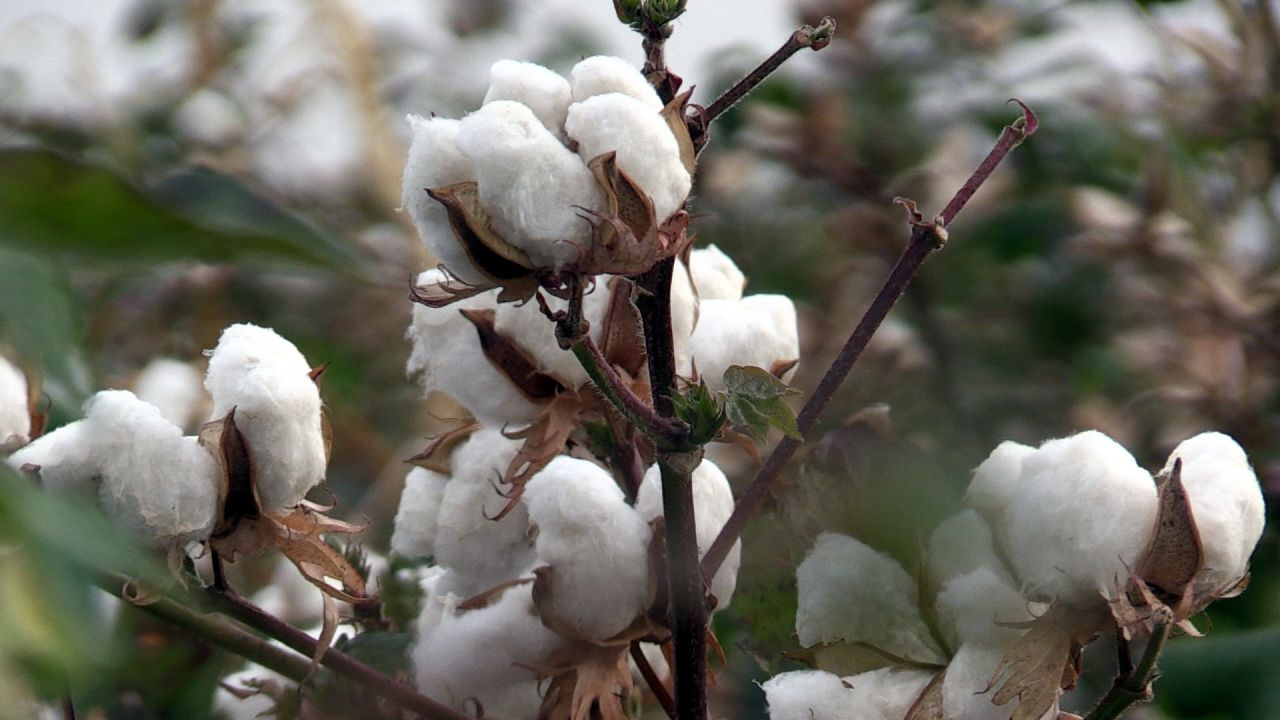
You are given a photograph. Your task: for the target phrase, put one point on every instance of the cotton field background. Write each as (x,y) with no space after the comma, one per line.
(211,204)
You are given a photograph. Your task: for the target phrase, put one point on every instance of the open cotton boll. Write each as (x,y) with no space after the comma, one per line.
(995,481)
(490,656)
(646,150)
(164,487)
(525,325)
(533,187)
(602,74)
(1226,503)
(448,358)
(715,274)
(884,694)
(973,609)
(1080,516)
(484,552)
(435,161)
(848,592)
(66,458)
(267,381)
(959,545)
(15,420)
(759,330)
(415,532)
(712,506)
(595,544)
(543,91)
(174,387)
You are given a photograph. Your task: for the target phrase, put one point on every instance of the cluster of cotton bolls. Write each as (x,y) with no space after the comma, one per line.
(167,487)
(1052,531)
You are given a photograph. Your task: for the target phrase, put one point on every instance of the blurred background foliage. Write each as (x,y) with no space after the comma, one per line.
(168,168)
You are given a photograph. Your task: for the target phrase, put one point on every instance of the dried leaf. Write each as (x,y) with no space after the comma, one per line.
(483,599)
(238,493)
(929,705)
(436,456)
(1044,661)
(544,439)
(510,359)
(623,332)
(592,686)
(328,628)
(674,114)
(626,239)
(625,199)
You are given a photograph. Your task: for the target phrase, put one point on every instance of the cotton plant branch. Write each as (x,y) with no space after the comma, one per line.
(1134,684)
(925,238)
(651,678)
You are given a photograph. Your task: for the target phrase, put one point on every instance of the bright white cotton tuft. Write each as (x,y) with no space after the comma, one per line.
(15,420)
(884,694)
(526,326)
(415,531)
(543,91)
(435,162)
(715,274)
(267,381)
(759,330)
(602,74)
(996,479)
(972,609)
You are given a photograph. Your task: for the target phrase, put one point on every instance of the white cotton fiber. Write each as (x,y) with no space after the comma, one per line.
(712,506)
(848,592)
(415,531)
(972,608)
(759,331)
(15,420)
(1080,516)
(448,357)
(965,695)
(65,457)
(995,481)
(1226,503)
(961,544)
(646,150)
(482,551)
(266,380)
(884,694)
(435,162)
(526,326)
(596,547)
(715,274)
(602,74)
(543,91)
(174,387)
(489,657)
(532,186)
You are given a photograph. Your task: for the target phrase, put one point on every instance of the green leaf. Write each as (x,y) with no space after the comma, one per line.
(88,212)
(753,401)
(698,408)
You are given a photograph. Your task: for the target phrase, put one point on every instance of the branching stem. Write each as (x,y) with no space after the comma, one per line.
(1135,685)
(662,430)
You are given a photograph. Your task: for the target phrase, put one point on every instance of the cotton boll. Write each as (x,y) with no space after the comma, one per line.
(851,593)
(759,330)
(488,656)
(484,552)
(1226,503)
(526,326)
(174,387)
(595,544)
(543,91)
(965,693)
(65,457)
(961,544)
(1081,514)
(434,162)
(15,420)
(533,187)
(971,609)
(884,694)
(415,532)
(164,488)
(447,355)
(267,381)
(995,481)
(712,506)
(603,74)
(715,274)
(646,150)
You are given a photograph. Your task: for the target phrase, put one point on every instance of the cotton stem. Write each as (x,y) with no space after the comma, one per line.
(1133,686)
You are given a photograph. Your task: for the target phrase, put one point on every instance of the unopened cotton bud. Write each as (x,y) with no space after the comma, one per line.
(532,186)
(1078,518)
(646,150)
(715,275)
(448,358)
(848,592)
(759,331)
(174,387)
(1226,503)
(483,551)
(595,545)
(415,531)
(712,506)
(884,694)
(15,420)
(543,91)
(434,162)
(264,378)
(602,74)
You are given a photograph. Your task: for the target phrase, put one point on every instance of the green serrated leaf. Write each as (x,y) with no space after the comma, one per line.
(697,407)
(753,400)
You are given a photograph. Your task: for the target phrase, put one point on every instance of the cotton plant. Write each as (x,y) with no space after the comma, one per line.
(1062,543)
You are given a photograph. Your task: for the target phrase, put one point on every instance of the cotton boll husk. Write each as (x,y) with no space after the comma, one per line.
(712,506)
(969,607)
(490,655)
(715,274)
(995,481)
(602,74)
(415,532)
(1226,503)
(959,545)
(533,187)
(65,456)
(595,544)
(1081,514)
(849,592)
(964,688)
(543,91)
(759,331)
(174,387)
(435,161)
(482,551)
(15,420)
(227,704)
(526,326)
(448,357)
(646,150)
(884,694)
(266,380)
